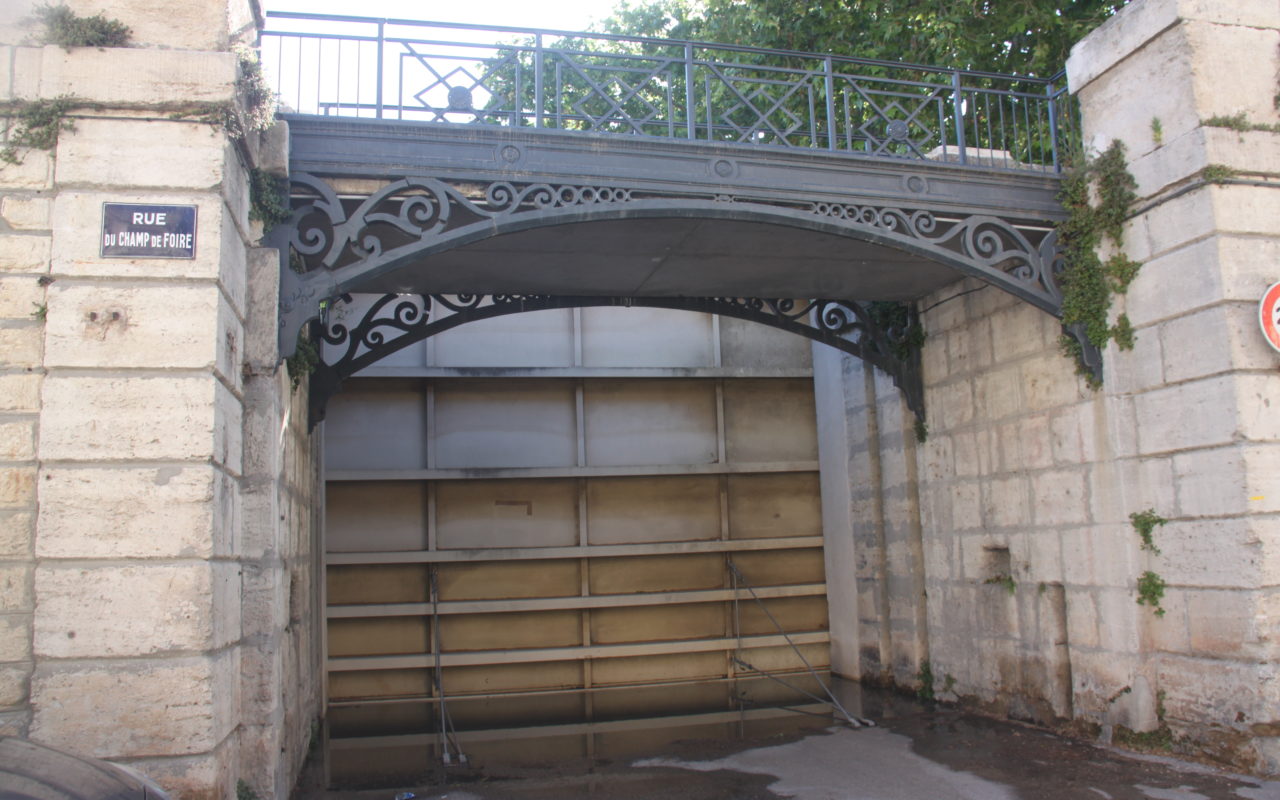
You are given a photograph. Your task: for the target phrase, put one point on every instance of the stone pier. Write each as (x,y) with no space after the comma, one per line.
(156,476)
(1025,485)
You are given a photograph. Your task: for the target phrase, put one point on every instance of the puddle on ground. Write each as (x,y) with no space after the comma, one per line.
(916,752)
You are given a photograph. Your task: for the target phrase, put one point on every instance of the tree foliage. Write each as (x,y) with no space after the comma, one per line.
(1027,37)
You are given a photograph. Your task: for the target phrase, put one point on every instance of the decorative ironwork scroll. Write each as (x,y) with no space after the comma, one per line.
(358,331)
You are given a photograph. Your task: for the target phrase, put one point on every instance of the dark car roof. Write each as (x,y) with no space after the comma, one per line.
(30,771)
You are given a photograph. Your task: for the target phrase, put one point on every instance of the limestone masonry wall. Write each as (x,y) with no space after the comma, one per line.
(1025,485)
(157,569)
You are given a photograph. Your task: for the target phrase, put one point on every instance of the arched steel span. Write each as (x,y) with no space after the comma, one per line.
(492,211)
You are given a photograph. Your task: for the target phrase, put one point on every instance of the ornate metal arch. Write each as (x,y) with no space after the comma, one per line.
(334,246)
(343,245)
(349,342)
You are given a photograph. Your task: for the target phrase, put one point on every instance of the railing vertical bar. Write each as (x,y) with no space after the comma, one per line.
(829,84)
(706,96)
(940,108)
(337,81)
(559,109)
(691,109)
(813,117)
(671,111)
(1051,98)
(992,144)
(538,108)
(1027,114)
(958,101)
(382,35)
(515,117)
(280,66)
(1003,133)
(299,73)
(400,87)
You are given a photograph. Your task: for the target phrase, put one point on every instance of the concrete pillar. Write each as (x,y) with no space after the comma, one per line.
(139,604)
(1191,424)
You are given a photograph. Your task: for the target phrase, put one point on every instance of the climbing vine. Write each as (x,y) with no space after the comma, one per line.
(906,335)
(1088,282)
(36,126)
(256,96)
(1218,173)
(1150,585)
(1240,123)
(303,362)
(921,430)
(268,198)
(256,109)
(1145,523)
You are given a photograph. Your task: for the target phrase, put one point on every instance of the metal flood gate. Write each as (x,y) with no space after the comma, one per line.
(590,492)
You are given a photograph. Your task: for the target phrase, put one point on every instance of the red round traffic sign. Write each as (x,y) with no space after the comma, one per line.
(1269,315)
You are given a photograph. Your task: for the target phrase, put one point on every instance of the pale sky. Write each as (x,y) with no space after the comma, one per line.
(573,15)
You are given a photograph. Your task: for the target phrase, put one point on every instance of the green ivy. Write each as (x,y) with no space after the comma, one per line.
(1151,591)
(37,125)
(256,109)
(1241,123)
(1116,191)
(1007,581)
(921,431)
(303,362)
(1160,739)
(925,676)
(1121,270)
(1122,332)
(894,319)
(1145,523)
(268,198)
(1218,173)
(64,27)
(254,90)
(1088,283)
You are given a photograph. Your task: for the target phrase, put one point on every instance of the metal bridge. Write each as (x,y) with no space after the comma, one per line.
(465,172)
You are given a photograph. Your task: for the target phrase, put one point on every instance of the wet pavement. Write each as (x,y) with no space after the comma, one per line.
(916,752)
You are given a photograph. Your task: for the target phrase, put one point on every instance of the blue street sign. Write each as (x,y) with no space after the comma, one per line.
(133,230)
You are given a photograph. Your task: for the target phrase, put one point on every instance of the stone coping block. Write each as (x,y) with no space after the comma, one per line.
(1138,23)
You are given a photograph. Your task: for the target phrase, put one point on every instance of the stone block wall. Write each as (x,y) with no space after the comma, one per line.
(156,474)
(1025,485)
(1200,384)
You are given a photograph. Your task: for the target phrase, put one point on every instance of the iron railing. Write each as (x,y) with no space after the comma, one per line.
(601,83)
